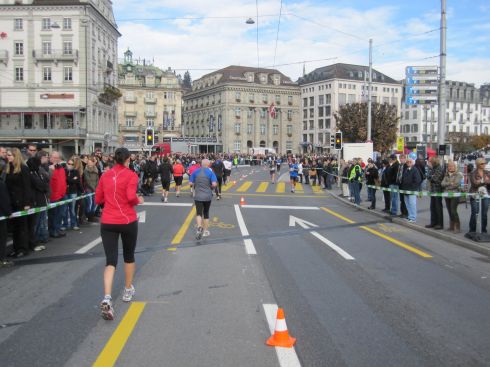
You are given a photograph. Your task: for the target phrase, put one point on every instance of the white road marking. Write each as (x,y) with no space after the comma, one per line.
(303,223)
(306,225)
(166,204)
(88,247)
(249,245)
(281,207)
(287,356)
(142,217)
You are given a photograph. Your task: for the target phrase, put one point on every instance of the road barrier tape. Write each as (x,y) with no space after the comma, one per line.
(23,213)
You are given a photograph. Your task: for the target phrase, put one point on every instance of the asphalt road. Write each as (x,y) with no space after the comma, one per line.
(356,291)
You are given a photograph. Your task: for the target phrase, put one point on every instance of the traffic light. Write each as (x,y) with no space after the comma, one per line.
(332,141)
(338,140)
(149,137)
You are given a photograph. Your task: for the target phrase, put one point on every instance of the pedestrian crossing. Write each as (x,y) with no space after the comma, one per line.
(259,187)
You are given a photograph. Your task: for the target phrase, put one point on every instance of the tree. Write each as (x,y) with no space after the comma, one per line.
(352,121)
(187,82)
(480,141)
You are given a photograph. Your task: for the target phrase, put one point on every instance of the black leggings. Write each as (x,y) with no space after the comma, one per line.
(218,187)
(110,238)
(202,208)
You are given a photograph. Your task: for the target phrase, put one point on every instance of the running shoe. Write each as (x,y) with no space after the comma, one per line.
(199,233)
(206,234)
(107,311)
(165,200)
(128,294)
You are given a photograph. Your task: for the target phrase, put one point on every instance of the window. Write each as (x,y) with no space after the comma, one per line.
(320,100)
(351,98)
(311,138)
(264,98)
(263,113)
(305,102)
(342,99)
(237,145)
(68,74)
(250,78)
(249,129)
(290,115)
(150,122)
(407,115)
(46,24)
(47,48)
(67,48)
(237,127)
(312,101)
(66,24)
(289,129)
(414,114)
(249,113)
(19,48)
(263,78)
(305,125)
(394,101)
(320,138)
(262,129)
(238,96)
(290,100)
(275,129)
(47,76)
(278,99)
(251,97)
(328,110)
(305,138)
(328,98)
(415,128)
(320,124)
(305,114)
(237,112)
(312,124)
(327,123)
(19,74)
(129,122)
(386,100)
(320,111)
(18,24)
(312,112)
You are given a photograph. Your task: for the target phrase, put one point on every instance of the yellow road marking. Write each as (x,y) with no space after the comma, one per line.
(228,194)
(186,187)
(245,186)
(227,186)
(379,234)
(316,189)
(116,343)
(281,187)
(299,187)
(263,187)
(185,226)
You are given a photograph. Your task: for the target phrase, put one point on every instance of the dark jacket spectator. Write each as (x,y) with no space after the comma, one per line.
(435,177)
(39,182)
(411,179)
(74,182)
(90,177)
(5,207)
(371,175)
(391,172)
(19,186)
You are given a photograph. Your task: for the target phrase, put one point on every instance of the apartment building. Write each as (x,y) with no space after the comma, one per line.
(58,79)
(325,89)
(152,98)
(242,108)
(465,113)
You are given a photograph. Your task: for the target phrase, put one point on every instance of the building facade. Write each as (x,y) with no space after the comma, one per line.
(466,114)
(325,89)
(244,109)
(58,80)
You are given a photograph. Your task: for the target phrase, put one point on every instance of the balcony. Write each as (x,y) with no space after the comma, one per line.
(150,114)
(129,99)
(55,56)
(130,113)
(4,56)
(151,100)
(44,133)
(130,128)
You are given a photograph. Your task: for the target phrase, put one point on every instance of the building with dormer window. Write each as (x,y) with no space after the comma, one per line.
(152,98)
(58,83)
(242,108)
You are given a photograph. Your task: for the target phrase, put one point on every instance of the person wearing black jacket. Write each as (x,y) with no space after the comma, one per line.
(372,176)
(391,174)
(18,182)
(74,188)
(385,183)
(411,181)
(218,168)
(5,211)
(38,222)
(165,170)
(399,180)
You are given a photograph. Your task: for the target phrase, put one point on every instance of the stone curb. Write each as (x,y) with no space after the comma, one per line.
(480,248)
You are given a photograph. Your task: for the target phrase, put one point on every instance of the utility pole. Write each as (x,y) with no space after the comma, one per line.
(441,127)
(369,88)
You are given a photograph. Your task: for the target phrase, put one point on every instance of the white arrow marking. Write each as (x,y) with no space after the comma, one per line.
(301,222)
(142,216)
(306,225)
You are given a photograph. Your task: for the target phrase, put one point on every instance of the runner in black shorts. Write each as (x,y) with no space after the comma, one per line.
(165,170)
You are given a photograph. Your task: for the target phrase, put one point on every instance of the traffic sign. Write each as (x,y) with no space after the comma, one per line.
(421,85)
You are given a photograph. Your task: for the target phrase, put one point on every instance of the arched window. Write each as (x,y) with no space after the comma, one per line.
(262,144)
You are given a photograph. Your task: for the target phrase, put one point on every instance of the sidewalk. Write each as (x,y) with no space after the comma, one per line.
(423,218)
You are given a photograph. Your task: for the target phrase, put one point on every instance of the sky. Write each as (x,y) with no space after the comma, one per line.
(206,35)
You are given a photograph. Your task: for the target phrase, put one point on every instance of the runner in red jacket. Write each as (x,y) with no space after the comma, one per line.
(117,192)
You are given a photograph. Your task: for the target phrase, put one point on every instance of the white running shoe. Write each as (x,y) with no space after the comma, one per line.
(128,294)
(107,311)
(206,233)
(199,233)
(165,200)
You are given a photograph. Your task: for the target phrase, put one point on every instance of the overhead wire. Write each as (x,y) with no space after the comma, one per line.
(277,35)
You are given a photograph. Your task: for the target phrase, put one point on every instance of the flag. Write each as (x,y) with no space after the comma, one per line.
(211,123)
(272,110)
(219,123)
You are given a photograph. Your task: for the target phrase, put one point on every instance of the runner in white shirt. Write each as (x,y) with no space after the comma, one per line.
(227,173)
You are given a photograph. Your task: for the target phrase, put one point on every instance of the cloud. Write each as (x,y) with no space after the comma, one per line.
(309,30)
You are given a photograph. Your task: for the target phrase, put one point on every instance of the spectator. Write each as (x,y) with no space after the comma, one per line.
(399,181)
(19,186)
(411,181)
(435,177)
(58,191)
(5,211)
(79,165)
(391,175)
(31,150)
(3,163)
(355,177)
(479,182)
(372,177)
(385,183)
(74,188)
(452,183)
(90,182)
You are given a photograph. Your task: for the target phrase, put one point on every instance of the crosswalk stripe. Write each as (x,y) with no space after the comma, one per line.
(227,186)
(281,187)
(316,189)
(245,186)
(262,187)
(299,187)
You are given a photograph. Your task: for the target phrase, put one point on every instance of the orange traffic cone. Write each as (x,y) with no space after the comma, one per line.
(281,336)
(242,200)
